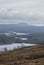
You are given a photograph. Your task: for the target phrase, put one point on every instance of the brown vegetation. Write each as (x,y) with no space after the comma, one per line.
(23,56)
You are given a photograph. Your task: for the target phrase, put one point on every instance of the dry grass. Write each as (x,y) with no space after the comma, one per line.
(24,56)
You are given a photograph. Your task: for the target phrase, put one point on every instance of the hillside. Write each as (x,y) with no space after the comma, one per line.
(24,56)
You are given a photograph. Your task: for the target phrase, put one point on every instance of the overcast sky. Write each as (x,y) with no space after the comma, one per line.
(19,11)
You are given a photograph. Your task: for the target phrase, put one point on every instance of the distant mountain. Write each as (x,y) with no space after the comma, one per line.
(22,27)
(23,24)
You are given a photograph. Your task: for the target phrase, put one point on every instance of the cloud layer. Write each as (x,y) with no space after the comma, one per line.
(17,11)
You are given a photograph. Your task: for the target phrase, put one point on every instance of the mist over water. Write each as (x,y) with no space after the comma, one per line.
(14,46)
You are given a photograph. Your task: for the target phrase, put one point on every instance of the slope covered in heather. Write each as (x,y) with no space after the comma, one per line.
(24,56)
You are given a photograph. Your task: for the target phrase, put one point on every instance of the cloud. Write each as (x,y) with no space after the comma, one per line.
(21,3)
(12,16)
(16,11)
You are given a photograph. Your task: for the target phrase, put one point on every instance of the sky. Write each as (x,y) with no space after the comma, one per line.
(22,11)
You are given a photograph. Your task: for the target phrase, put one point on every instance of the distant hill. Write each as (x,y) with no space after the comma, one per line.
(22,27)
(23,24)
(9,33)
